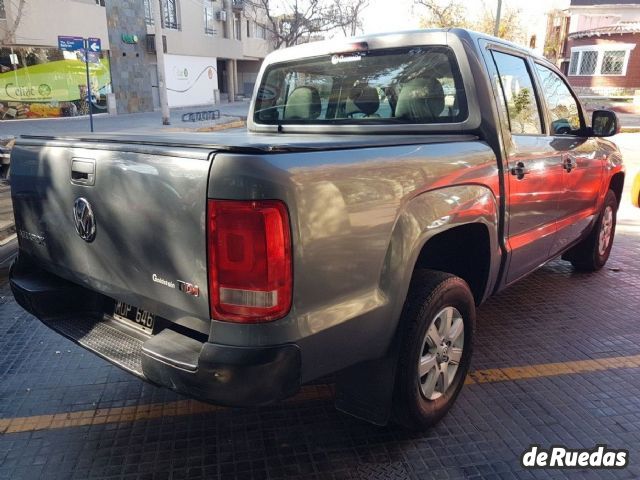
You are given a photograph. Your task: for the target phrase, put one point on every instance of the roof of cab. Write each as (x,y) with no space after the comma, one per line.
(384,40)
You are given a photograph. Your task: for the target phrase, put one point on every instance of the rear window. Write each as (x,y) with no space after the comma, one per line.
(417,85)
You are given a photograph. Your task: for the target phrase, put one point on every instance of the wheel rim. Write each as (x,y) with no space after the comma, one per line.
(441,353)
(606,230)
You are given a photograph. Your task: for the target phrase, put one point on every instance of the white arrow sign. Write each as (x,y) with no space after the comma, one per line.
(95,47)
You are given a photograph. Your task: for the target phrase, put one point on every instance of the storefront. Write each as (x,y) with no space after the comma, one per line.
(46,82)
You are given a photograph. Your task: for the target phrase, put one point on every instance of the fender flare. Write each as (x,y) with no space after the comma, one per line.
(365,390)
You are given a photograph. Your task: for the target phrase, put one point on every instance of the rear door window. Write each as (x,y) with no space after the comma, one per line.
(519,96)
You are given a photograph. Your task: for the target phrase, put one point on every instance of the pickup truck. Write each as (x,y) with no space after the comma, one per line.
(384,188)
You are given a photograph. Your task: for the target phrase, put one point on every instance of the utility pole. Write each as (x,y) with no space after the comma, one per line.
(496,28)
(162,85)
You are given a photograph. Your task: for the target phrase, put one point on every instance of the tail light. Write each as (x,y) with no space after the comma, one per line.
(249,248)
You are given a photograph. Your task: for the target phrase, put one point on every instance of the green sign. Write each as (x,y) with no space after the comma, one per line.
(132,39)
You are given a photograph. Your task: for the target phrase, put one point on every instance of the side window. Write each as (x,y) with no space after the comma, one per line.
(517,87)
(562,105)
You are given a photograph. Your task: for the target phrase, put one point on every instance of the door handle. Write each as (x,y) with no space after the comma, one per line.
(83,171)
(568,163)
(519,171)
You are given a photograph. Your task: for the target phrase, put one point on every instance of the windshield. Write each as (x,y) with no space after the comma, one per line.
(416,85)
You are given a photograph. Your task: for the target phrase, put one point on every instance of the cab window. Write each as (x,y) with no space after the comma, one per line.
(413,85)
(517,88)
(563,108)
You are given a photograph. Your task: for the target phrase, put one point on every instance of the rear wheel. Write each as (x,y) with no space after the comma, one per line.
(593,252)
(438,324)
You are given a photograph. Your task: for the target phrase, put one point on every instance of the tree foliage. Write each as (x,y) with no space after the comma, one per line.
(443,14)
(454,13)
(350,15)
(291,22)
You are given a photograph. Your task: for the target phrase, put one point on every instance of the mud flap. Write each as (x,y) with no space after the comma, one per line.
(365,390)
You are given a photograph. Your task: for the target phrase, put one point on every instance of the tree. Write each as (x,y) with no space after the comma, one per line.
(350,12)
(510,27)
(443,15)
(8,36)
(297,21)
(453,13)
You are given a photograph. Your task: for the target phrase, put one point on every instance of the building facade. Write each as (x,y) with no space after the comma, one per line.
(214,49)
(213,52)
(598,50)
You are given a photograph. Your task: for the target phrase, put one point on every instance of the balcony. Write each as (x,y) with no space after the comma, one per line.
(237,5)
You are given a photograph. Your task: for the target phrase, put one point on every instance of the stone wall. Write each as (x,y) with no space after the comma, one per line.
(130,63)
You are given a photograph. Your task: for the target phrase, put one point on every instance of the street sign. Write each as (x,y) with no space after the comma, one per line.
(90,48)
(94,44)
(70,44)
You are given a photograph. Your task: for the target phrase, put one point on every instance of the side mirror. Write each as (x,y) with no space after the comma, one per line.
(604,123)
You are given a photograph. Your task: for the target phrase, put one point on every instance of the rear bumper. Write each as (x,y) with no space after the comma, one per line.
(222,374)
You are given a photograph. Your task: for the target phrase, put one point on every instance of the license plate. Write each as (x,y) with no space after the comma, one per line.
(134,317)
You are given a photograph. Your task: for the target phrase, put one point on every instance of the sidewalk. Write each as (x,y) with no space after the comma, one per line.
(134,122)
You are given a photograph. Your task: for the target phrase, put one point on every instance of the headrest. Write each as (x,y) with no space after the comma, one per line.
(303,104)
(365,98)
(421,99)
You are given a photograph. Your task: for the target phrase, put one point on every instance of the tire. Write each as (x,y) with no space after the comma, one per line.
(433,297)
(592,253)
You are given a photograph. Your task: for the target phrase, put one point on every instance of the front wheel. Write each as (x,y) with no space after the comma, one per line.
(435,353)
(593,252)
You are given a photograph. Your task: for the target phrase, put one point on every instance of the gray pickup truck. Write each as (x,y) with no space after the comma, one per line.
(385,187)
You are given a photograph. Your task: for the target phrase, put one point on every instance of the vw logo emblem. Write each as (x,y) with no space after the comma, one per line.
(84,220)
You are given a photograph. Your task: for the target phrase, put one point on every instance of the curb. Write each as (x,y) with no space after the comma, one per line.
(223,126)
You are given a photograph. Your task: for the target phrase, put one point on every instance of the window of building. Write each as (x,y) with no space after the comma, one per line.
(600,60)
(519,97)
(249,29)
(237,26)
(261,31)
(573,65)
(3,14)
(100,3)
(148,13)
(613,62)
(209,18)
(588,63)
(170,14)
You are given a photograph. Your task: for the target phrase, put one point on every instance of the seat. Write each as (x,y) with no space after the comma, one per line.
(365,99)
(421,100)
(303,104)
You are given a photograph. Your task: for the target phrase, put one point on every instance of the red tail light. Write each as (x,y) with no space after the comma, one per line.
(249,247)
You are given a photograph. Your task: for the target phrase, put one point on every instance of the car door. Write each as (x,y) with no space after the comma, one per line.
(534,175)
(582,165)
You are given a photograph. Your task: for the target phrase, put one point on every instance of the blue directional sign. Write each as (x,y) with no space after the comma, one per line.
(94,44)
(70,44)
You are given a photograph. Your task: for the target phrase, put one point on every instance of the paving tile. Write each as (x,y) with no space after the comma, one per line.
(555,315)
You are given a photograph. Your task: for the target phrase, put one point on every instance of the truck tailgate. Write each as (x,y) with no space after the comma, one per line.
(149,207)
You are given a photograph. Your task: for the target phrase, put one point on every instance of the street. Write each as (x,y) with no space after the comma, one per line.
(557,361)
(134,122)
